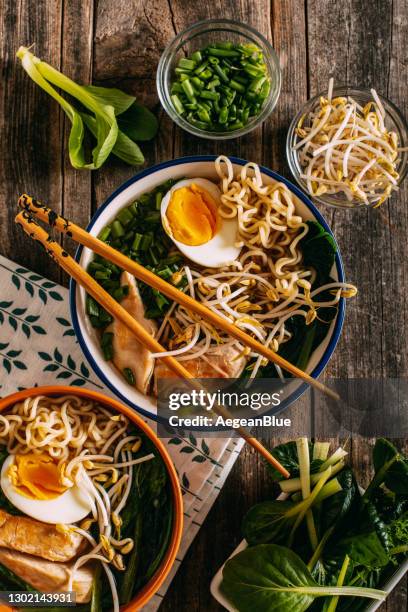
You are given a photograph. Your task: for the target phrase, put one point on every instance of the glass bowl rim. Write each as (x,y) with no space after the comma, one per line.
(231,25)
(401,126)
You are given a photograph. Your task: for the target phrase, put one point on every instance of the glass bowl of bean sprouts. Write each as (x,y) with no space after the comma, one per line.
(347,147)
(220,33)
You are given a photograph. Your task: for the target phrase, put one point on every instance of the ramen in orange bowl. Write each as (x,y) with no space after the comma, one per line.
(90,502)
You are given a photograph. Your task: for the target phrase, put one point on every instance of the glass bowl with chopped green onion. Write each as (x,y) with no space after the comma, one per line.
(219,79)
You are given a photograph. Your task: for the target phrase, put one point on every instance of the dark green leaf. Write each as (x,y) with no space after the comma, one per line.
(78,382)
(29,288)
(334,509)
(45,356)
(43,296)
(32,318)
(57,356)
(199,459)
(319,251)
(175,441)
(7,365)
(56,296)
(18,311)
(262,579)
(26,330)
(16,281)
(64,374)
(267,522)
(63,322)
(71,363)
(187,449)
(84,370)
(13,323)
(39,330)
(365,549)
(138,123)
(20,365)
(52,367)
(127,150)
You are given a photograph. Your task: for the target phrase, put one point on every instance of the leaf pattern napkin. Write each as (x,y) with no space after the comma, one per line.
(38,347)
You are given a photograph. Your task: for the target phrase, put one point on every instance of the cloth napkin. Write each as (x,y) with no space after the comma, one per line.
(38,347)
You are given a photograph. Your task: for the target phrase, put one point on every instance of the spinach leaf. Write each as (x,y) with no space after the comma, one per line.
(335,510)
(375,521)
(391,467)
(287,456)
(319,251)
(271,578)
(364,549)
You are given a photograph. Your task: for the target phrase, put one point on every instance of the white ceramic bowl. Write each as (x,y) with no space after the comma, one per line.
(184,167)
(372,606)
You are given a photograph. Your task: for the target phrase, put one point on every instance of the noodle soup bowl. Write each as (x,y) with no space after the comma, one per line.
(153,585)
(145,181)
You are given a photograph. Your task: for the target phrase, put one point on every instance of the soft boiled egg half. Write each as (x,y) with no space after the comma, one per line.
(190,216)
(32,483)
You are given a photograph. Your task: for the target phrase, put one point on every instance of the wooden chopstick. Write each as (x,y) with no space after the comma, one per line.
(65,261)
(42,212)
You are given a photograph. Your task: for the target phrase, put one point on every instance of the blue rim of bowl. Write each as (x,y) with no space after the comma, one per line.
(208,158)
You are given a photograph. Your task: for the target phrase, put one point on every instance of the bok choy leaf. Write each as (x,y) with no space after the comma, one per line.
(271,578)
(103,105)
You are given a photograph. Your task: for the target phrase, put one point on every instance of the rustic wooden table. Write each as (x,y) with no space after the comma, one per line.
(117,42)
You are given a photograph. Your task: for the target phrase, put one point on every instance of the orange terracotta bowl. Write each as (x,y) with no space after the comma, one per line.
(147,592)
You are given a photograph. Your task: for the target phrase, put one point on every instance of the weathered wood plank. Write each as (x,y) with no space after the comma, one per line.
(30,124)
(129,39)
(76,62)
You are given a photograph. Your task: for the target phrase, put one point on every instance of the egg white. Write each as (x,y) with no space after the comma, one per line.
(221,249)
(71,506)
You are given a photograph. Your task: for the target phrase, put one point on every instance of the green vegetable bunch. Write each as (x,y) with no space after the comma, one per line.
(326,547)
(113,118)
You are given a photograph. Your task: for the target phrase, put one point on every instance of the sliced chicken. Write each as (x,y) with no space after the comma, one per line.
(35,538)
(224,362)
(127,350)
(48,576)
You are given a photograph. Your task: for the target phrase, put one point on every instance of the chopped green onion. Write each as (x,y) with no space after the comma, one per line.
(117,229)
(158,199)
(188,90)
(105,233)
(187,64)
(197,57)
(178,105)
(92,307)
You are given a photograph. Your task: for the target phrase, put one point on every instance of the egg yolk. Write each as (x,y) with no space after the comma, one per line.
(192,215)
(36,476)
